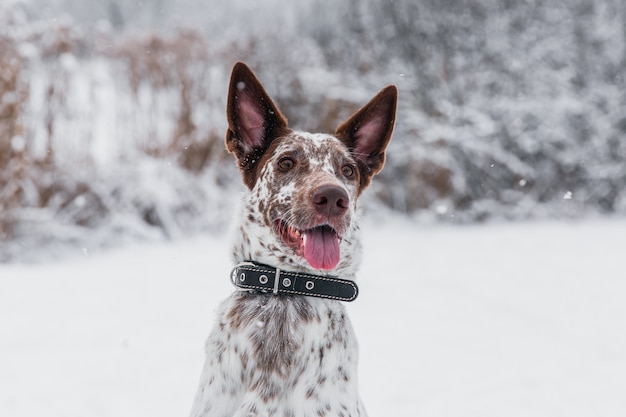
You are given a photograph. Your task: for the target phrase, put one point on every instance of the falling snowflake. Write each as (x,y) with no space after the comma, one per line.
(441,209)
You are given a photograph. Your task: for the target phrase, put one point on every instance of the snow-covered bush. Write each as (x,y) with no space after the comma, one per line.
(13,156)
(501,104)
(115,130)
(106,137)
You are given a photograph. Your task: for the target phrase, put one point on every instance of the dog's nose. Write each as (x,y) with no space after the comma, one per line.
(330,200)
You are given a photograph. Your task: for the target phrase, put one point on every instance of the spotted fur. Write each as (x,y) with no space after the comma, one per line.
(292,356)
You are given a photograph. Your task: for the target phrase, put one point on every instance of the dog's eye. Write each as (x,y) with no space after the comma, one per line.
(347,171)
(286,163)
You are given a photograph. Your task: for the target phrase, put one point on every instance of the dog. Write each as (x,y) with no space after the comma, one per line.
(283,345)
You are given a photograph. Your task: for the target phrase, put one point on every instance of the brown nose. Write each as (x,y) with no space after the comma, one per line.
(330,200)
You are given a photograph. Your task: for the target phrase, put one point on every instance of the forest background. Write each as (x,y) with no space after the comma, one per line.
(112,113)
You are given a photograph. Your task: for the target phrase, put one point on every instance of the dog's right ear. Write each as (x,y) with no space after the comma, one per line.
(254,121)
(368,132)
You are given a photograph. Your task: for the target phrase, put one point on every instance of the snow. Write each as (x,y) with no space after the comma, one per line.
(517,320)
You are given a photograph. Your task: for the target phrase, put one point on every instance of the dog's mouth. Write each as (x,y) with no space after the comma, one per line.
(319,245)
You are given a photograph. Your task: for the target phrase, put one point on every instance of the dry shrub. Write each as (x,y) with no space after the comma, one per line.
(14,159)
(31,178)
(160,61)
(199,153)
(415,184)
(331,112)
(280,62)
(58,38)
(176,65)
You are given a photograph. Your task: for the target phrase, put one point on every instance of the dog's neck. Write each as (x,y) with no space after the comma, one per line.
(255,241)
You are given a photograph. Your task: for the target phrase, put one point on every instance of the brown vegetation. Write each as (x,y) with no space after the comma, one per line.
(13,147)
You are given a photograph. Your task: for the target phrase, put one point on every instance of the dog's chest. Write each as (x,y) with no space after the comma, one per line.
(288,356)
(280,334)
(286,344)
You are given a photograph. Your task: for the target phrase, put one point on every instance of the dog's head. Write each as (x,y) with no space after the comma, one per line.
(303,187)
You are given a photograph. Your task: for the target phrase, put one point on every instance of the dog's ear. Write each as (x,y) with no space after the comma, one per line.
(367,132)
(254,121)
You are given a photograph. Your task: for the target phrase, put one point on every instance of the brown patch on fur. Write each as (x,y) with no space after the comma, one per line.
(270,322)
(266,387)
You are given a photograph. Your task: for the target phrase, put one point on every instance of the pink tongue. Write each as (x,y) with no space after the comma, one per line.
(321,247)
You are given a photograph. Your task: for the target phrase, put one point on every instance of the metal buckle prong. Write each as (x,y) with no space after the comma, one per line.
(276,281)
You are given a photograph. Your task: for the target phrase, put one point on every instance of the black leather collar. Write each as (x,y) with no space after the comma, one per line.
(255,276)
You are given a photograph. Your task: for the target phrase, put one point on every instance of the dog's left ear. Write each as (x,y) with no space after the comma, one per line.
(368,132)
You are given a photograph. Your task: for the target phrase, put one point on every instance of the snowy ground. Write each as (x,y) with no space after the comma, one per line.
(500,320)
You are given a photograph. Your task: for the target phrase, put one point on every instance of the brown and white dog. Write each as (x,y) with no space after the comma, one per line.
(292,355)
